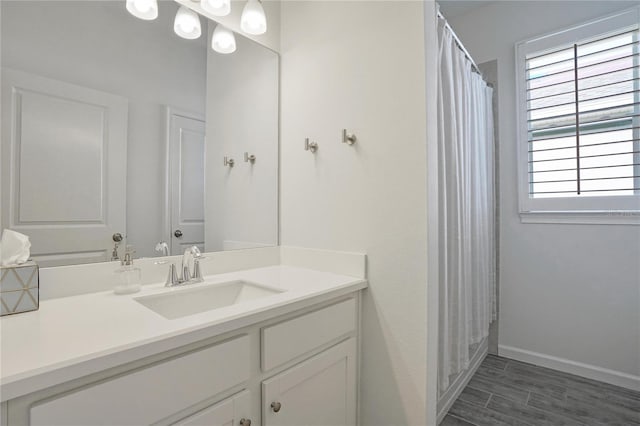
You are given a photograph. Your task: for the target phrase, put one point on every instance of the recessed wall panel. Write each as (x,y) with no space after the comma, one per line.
(60,143)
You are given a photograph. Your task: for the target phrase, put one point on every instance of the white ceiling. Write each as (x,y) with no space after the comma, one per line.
(451,8)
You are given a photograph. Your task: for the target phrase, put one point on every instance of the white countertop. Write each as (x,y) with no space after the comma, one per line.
(71,337)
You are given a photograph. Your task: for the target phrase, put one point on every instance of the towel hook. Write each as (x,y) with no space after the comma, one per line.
(310,146)
(348,138)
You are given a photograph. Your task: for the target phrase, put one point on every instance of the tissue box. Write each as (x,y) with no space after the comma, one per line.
(19,288)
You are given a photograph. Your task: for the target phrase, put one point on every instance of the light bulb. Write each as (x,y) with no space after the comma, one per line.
(142,5)
(143,9)
(223,40)
(253,20)
(217,7)
(187,23)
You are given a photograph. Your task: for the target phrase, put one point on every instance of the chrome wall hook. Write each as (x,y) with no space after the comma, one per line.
(310,146)
(249,158)
(348,138)
(229,161)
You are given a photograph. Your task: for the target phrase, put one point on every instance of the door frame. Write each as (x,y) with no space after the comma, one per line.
(433,209)
(171,111)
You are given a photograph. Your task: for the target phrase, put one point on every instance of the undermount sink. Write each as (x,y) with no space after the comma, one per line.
(184,302)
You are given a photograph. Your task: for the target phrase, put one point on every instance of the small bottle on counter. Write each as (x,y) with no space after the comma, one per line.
(129,277)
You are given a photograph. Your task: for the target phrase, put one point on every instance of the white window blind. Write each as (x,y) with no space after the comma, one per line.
(583,104)
(579,117)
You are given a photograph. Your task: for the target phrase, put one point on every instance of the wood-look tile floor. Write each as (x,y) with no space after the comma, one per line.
(508,392)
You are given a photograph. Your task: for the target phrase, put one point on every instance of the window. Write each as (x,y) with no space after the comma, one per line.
(579,120)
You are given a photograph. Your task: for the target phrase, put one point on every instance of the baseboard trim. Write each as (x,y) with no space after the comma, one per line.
(457,386)
(572,367)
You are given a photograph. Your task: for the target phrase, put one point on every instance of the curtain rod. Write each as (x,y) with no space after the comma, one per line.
(459,43)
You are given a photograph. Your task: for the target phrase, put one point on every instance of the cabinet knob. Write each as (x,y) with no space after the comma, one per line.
(275,406)
(245,422)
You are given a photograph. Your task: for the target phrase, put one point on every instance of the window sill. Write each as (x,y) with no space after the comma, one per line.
(614,217)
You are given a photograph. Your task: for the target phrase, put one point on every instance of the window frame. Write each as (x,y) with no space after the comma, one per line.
(588,210)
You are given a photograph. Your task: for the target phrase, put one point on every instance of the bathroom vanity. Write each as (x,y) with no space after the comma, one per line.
(281,350)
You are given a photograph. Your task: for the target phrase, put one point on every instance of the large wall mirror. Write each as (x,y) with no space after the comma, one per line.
(114,125)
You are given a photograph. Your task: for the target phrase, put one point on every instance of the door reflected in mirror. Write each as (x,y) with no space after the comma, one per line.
(114,125)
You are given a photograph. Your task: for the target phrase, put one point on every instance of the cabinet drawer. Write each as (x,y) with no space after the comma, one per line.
(290,339)
(153,393)
(230,411)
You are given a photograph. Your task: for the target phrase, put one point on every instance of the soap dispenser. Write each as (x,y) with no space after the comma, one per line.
(129,277)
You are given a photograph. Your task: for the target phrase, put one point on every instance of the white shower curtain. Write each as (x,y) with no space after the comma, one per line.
(466,204)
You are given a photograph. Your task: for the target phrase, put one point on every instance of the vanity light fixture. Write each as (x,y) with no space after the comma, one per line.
(217,7)
(223,40)
(143,9)
(253,20)
(187,23)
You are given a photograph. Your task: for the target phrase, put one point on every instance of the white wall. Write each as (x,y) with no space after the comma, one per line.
(242,115)
(566,291)
(98,44)
(361,66)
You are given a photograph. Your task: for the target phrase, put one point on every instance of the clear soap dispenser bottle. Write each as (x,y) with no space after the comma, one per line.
(129,277)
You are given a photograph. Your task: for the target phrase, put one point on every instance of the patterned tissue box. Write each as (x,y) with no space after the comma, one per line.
(19,288)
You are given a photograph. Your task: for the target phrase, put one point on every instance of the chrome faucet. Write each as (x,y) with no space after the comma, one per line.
(190,255)
(163,248)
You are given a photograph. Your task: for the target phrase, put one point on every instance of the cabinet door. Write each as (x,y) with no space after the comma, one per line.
(233,411)
(320,391)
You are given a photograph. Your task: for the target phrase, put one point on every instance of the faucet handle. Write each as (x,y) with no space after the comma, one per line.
(186,275)
(172,278)
(197,273)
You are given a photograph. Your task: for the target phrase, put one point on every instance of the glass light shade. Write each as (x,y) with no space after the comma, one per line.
(223,40)
(253,20)
(187,23)
(217,7)
(143,9)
